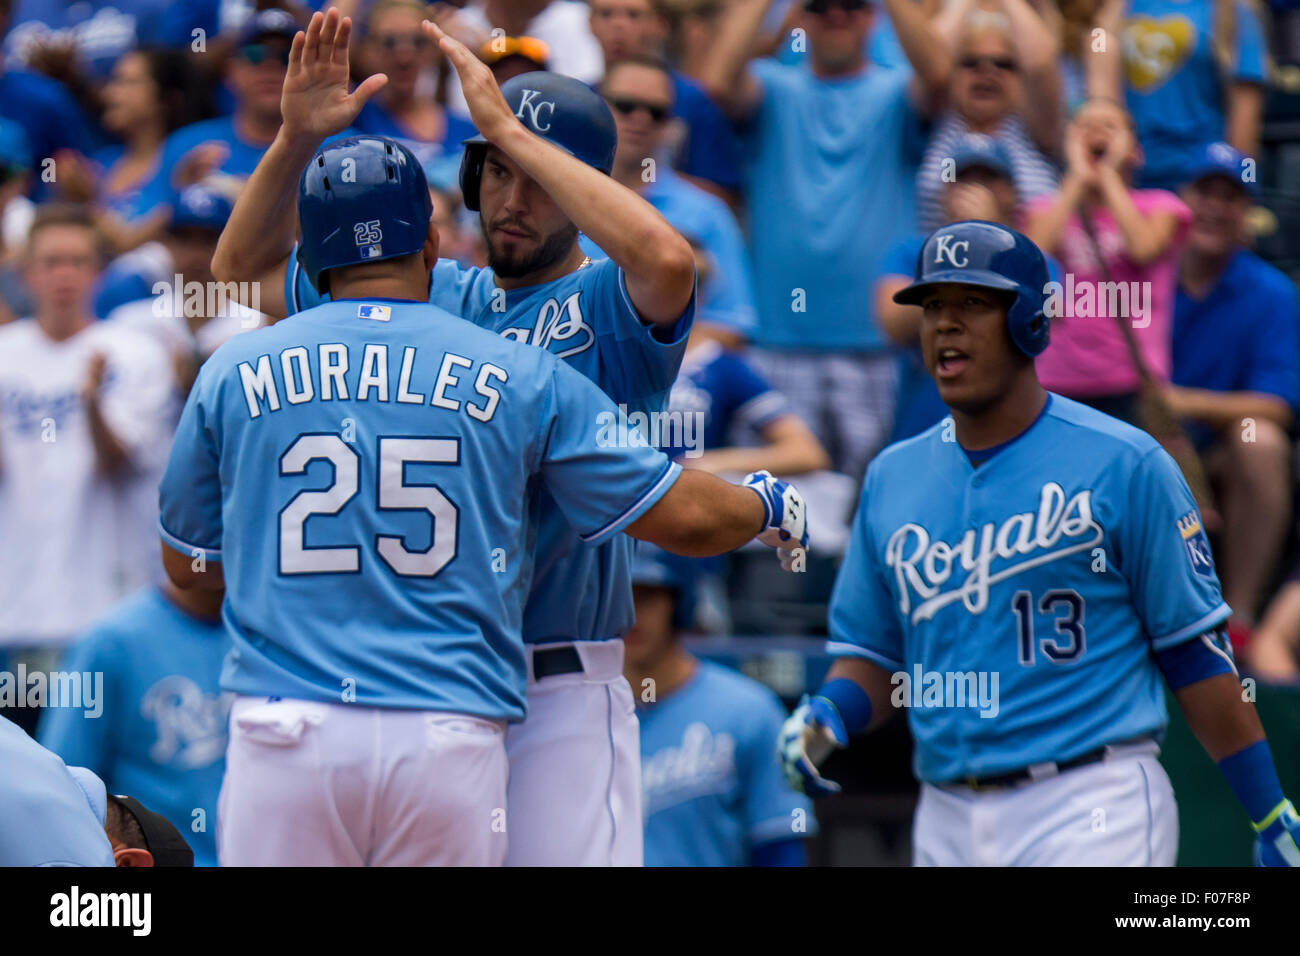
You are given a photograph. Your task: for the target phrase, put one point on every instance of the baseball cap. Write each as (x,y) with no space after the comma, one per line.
(976,149)
(200,207)
(163,841)
(530,48)
(270,22)
(656,568)
(1220,159)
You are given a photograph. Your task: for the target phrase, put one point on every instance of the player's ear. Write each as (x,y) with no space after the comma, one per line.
(132,856)
(431,240)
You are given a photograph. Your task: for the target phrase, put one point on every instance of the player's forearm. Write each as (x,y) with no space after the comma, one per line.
(1218,716)
(872,679)
(658,263)
(700,516)
(260,231)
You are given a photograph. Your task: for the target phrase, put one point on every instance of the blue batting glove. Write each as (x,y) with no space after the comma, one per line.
(1279,837)
(807,738)
(785,526)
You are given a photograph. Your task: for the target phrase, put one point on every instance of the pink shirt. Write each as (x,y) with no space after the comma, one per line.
(1087,355)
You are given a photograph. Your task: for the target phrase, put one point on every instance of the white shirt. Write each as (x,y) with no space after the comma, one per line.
(157,318)
(73,542)
(564,26)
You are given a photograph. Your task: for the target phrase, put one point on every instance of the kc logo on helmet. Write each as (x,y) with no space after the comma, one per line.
(535,109)
(945,248)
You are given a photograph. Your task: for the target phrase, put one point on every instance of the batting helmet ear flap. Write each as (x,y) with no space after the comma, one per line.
(471,174)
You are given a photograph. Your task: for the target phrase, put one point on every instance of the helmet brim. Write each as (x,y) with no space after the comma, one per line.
(915,293)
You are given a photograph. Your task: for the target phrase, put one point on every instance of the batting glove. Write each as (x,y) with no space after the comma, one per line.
(1279,837)
(807,738)
(784,520)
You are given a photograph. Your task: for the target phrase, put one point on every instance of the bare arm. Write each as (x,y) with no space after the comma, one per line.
(1146,238)
(926,49)
(315,104)
(1039,49)
(722,73)
(789,448)
(658,263)
(1104,62)
(1227,409)
(1245,110)
(1217,714)
(700,516)
(1046,225)
(111,454)
(180,569)
(902,323)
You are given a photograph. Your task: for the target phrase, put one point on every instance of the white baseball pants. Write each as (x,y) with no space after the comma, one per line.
(315,784)
(1119,811)
(574,795)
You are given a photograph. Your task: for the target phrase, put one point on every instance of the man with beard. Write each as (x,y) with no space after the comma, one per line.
(537,174)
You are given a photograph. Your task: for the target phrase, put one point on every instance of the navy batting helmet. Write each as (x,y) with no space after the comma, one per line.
(563,111)
(988,254)
(361,199)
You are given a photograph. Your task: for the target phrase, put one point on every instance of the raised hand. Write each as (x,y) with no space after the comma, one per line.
(315,102)
(488,109)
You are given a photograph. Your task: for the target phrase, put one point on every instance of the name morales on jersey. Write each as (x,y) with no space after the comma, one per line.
(324,375)
(1059,528)
(557,322)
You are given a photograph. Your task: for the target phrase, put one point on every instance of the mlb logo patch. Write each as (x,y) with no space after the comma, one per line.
(378,313)
(1196,544)
(371,252)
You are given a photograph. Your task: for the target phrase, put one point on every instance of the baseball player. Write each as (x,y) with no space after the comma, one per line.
(1020,577)
(713,794)
(358,478)
(537,174)
(56,815)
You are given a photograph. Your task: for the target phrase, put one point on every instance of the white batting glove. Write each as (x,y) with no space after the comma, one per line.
(807,738)
(785,525)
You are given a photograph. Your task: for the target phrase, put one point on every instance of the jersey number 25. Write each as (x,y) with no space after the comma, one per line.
(394,495)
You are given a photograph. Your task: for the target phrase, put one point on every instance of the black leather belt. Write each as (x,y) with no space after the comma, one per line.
(1015,777)
(554,661)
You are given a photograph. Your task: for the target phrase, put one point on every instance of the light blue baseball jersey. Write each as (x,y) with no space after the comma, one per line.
(579,591)
(161,734)
(48,818)
(364,469)
(713,789)
(1018,603)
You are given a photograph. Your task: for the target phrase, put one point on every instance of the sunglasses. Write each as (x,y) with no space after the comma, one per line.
(259,53)
(1003,63)
(658,112)
(825,6)
(415,41)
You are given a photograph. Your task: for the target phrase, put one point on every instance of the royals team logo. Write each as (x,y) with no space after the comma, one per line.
(1196,544)
(557,322)
(191,724)
(991,553)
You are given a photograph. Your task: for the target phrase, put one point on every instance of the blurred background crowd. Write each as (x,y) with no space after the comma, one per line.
(804,147)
